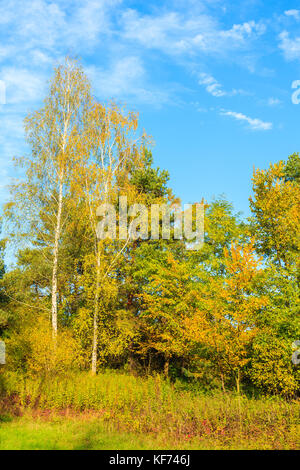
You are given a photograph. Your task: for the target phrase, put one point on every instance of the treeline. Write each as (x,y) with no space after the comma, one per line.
(225,315)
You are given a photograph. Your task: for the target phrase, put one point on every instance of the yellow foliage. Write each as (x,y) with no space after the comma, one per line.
(276,207)
(48,356)
(226,322)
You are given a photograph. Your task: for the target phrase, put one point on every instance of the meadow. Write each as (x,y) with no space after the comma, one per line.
(120,411)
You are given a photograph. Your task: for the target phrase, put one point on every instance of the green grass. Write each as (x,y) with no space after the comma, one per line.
(120,411)
(66,434)
(89,433)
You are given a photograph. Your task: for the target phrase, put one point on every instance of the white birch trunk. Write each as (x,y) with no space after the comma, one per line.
(96,315)
(55,261)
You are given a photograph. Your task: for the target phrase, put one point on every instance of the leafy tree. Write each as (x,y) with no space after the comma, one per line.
(225,319)
(292,168)
(278,324)
(228,311)
(168,299)
(275,221)
(111,148)
(40,202)
(276,215)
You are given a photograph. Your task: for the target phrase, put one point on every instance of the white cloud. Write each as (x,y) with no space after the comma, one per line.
(90,21)
(294,13)
(6,52)
(168,32)
(22,85)
(215,88)
(40,32)
(56,25)
(255,124)
(290,47)
(212,86)
(241,32)
(125,78)
(177,34)
(11,142)
(37,22)
(273,101)
(118,78)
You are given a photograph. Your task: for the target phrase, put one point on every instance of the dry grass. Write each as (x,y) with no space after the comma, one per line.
(153,409)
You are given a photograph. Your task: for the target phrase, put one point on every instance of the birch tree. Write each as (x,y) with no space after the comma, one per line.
(40,201)
(112,148)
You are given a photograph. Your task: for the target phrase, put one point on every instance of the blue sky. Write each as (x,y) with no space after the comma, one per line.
(211,80)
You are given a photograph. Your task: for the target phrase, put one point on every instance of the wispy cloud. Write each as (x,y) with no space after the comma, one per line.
(294,13)
(215,88)
(125,78)
(179,34)
(212,86)
(290,47)
(273,101)
(55,25)
(254,123)
(11,141)
(39,33)
(22,85)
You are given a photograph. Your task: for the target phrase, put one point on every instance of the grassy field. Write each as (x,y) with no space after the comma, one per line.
(60,433)
(119,411)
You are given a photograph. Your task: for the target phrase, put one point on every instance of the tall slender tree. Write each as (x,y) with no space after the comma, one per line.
(40,202)
(111,149)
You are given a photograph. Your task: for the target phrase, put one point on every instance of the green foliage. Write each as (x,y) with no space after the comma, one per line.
(220,315)
(292,168)
(150,181)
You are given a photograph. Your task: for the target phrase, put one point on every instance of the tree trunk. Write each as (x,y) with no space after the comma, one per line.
(166,367)
(149,364)
(238,379)
(223,383)
(55,261)
(96,314)
(238,382)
